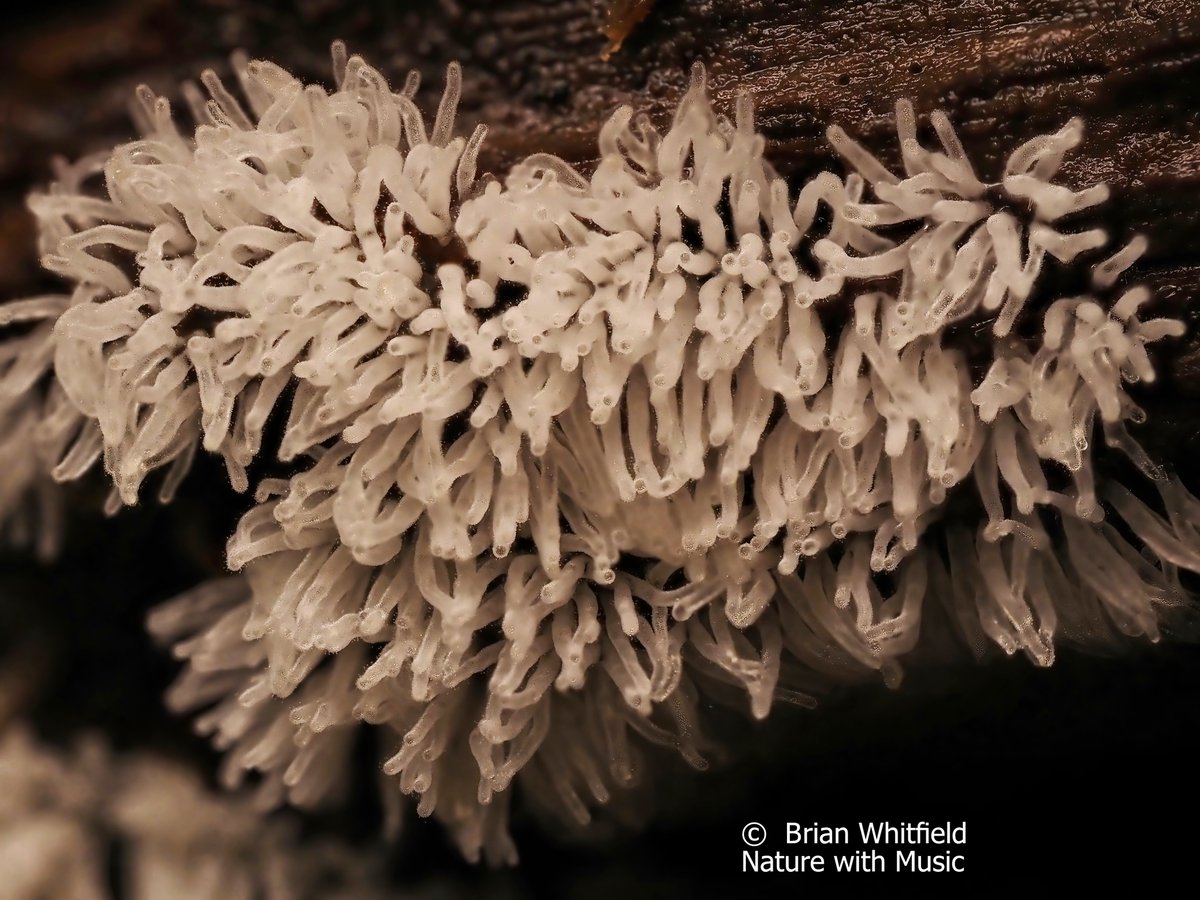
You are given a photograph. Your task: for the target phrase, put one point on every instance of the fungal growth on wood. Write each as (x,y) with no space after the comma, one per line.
(535,464)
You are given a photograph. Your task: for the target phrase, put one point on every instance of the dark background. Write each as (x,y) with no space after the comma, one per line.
(1068,778)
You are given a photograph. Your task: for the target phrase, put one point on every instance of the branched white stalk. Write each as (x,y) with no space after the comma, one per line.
(574,448)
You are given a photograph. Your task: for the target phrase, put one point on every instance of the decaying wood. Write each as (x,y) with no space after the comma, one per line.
(623,17)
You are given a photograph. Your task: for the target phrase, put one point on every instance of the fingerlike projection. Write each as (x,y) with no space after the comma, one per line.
(561,454)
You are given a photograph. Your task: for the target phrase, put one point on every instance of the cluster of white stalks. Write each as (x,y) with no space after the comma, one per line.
(77,823)
(566,453)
